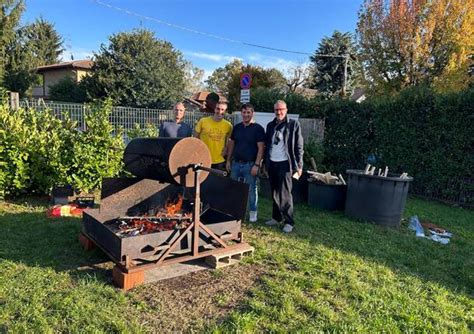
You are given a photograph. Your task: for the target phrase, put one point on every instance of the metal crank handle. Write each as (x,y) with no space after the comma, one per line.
(212,170)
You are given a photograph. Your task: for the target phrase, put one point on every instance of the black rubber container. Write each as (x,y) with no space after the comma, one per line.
(376,199)
(327,196)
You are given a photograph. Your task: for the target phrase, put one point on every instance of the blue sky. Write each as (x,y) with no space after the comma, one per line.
(295,25)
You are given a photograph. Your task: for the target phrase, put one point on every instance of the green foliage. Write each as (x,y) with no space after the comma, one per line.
(67,90)
(44,42)
(348,137)
(10,13)
(98,150)
(426,134)
(315,150)
(327,73)
(138,132)
(38,151)
(14,141)
(137,70)
(431,140)
(264,98)
(33,45)
(227,80)
(20,64)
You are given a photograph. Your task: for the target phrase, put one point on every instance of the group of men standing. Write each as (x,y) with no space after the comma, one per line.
(242,150)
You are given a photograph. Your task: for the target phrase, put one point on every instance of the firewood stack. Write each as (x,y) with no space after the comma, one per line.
(326,178)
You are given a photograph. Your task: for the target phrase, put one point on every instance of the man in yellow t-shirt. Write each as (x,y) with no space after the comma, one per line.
(214,131)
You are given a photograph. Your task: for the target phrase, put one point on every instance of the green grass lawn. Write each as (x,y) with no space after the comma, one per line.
(331,274)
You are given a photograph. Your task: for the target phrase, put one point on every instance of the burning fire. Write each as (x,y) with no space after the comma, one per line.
(169,217)
(174,207)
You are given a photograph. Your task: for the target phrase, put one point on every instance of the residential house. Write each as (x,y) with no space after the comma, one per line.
(52,74)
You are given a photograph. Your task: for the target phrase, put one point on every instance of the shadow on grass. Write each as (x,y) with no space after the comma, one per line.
(28,236)
(398,248)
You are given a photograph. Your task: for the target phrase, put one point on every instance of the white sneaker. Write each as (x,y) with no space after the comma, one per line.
(253,216)
(287,228)
(271,222)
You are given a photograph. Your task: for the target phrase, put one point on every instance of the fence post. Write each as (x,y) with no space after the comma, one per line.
(14,100)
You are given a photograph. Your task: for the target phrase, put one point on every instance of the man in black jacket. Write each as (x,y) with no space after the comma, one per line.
(284,160)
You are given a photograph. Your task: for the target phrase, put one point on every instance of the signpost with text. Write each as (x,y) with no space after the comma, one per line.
(245,83)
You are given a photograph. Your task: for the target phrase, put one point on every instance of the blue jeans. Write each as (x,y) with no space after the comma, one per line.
(241,172)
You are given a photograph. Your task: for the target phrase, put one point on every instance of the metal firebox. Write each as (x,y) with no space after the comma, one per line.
(175,208)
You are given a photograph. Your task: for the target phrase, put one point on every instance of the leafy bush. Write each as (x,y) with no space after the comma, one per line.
(264,98)
(38,151)
(426,134)
(67,90)
(137,132)
(315,150)
(349,134)
(97,151)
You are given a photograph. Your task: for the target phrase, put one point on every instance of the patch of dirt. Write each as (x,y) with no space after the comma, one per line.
(190,302)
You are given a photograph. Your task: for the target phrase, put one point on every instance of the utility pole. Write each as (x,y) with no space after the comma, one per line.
(346,60)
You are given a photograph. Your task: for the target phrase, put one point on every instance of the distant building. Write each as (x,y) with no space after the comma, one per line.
(52,74)
(201,97)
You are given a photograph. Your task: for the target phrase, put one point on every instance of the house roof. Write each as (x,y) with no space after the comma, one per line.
(201,96)
(193,102)
(76,64)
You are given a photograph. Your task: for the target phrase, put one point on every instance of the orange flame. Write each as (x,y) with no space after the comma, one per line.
(174,207)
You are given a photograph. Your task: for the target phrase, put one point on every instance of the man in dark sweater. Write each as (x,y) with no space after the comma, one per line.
(245,153)
(176,128)
(284,160)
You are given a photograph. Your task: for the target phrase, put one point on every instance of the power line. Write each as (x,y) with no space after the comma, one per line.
(230,40)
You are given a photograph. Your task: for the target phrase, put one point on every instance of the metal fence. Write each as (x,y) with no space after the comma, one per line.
(126,117)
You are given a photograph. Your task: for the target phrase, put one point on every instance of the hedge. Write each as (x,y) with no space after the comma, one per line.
(426,134)
(38,150)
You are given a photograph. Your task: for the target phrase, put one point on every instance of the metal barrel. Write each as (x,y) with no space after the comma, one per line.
(167,160)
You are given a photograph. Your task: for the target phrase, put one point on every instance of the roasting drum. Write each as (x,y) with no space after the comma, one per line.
(167,159)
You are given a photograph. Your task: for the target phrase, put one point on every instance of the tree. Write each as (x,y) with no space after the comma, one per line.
(193,78)
(20,64)
(408,42)
(137,70)
(297,76)
(10,13)
(67,90)
(227,80)
(44,42)
(219,80)
(29,47)
(333,65)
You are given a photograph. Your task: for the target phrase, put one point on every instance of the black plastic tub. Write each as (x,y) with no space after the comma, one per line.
(327,196)
(376,199)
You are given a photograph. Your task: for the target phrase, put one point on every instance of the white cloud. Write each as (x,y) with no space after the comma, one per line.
(215,57)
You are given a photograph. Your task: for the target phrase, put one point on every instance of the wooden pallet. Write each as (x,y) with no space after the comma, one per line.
(127,279)
(227,258)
